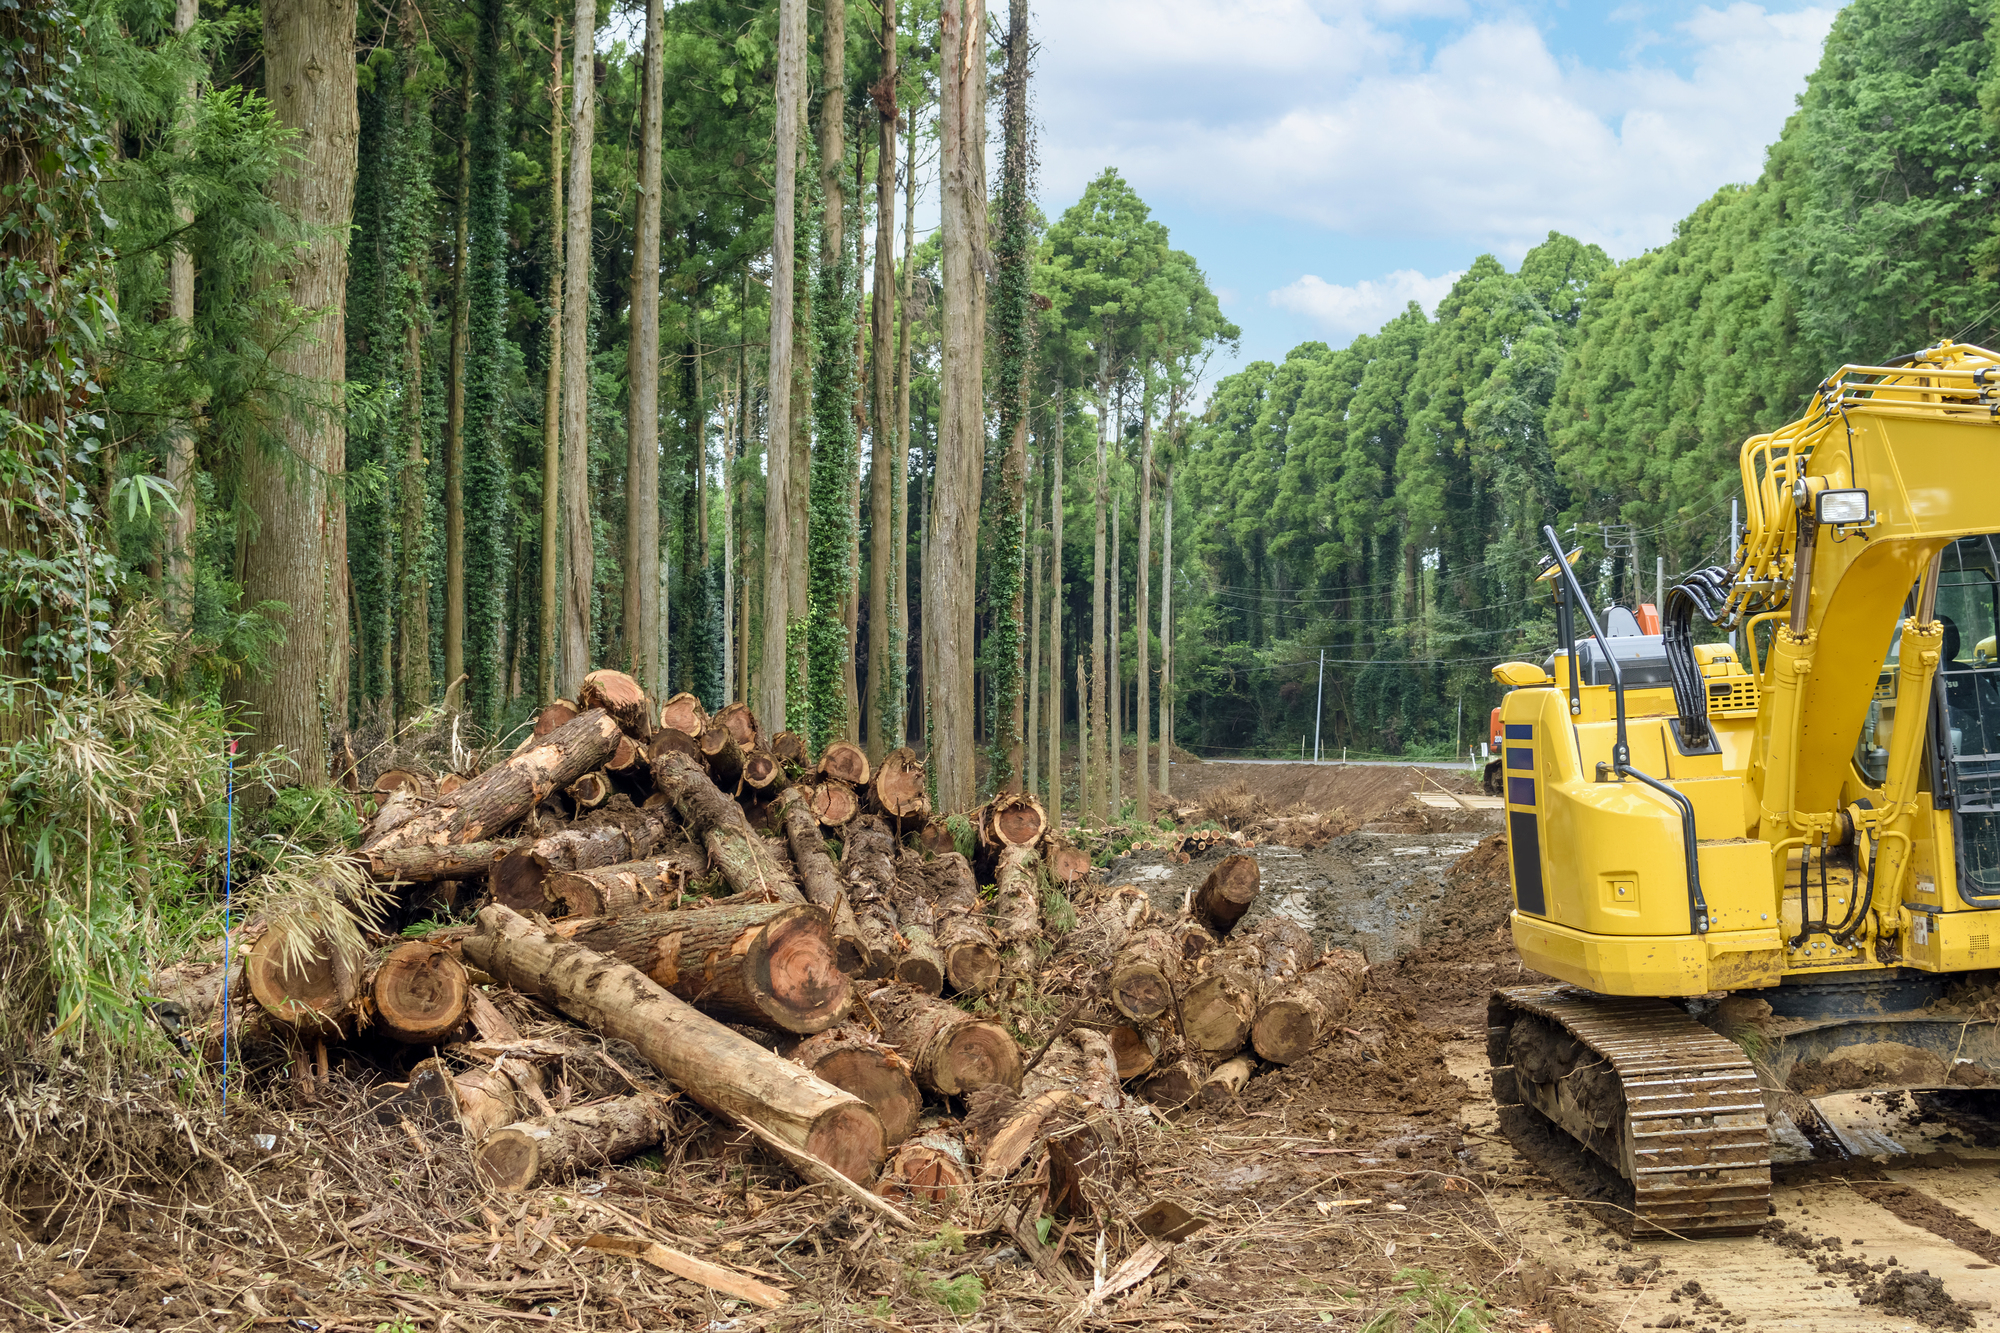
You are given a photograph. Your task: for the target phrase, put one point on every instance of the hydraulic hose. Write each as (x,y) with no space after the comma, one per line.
(1706,591)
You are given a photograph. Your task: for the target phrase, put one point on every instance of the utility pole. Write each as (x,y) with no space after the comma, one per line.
(1659,582)
(1319,703)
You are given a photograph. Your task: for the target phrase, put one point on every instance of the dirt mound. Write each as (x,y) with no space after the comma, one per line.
(1917,1296)
(1879,1064)
(1477,895)
(1366,792)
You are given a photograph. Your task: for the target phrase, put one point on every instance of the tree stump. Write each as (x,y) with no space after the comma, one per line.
(932,1168)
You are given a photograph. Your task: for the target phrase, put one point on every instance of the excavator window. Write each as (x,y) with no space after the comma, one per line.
(1966,731)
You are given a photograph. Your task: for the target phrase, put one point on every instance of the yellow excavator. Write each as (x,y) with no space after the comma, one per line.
(1801,822)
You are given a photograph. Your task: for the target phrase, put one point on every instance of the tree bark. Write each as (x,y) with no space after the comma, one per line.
(1227,1082)
(642,369)
(579,551)
(729,1074)
(1227,893)
(517,1157)
(900,649)
(971,955)
(1115,695)
(722,754)
(177,585)
(779,483)
(552,389)
(950,1052)
(922,962)
(868,868)
(1017,899)
(885,579)
(1296,1013)
(822,883)
(1032,686)
(1055,794)
(746,863)
(609,837)
(949,648)
(851,1057)
(771,965)
(419,993)
(1166,633)
(1096,799)
(1142,615)
(421,864)
(298,555)
(499,796)
(624,886)
(1145,976)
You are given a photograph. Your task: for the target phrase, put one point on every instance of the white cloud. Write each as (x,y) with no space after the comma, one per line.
(1328,112)
(1345,311)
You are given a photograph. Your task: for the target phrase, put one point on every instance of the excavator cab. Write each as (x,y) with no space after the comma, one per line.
(1789,830)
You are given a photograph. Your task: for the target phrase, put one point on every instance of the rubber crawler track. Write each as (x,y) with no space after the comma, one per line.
(1697,1140)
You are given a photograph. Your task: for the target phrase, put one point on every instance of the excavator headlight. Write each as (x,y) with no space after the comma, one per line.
(1841,507)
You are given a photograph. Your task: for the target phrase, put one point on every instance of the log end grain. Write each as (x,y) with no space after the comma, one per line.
(921,970)
(620,696)
(1173,1087)
(510,1158)
(975,1055)
(420,993)
(972,968)
(793,962)
(844,761)
(1227,893)
(1133,1051)
(1141,991)
(684,713)
(882,1080)
(310,987)
(848,1137)
(1285,1030)
(926,1170)
(1216,1015)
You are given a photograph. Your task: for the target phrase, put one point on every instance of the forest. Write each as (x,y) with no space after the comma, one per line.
(377,368)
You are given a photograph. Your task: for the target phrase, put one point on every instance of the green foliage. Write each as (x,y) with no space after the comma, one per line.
(962,1295)
(1434,1304)
(964,836)
(830,522)
(487,374)
(949,1240)
(311,816)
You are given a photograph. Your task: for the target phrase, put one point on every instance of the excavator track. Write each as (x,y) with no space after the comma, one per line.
(1672,1106)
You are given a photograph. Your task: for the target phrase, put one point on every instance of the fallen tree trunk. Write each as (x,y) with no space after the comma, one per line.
(922,961)
(418,992)
(747,865)
(868,869)
(608,837)
(621,697)
(822,883)
(850,1057)
(518,1156)
(591,790)
(897,792)
(769,964)
(422,865)
(1145,975)
(1217,1011)
(1017,898)
(1296,1014)
(501,795)
(397,809)
(309,986)
(717,1068)
(971,957)
(1226,894)
(1013,820)
(950,1052)
(789,748)
(763,774)
(1173,1085)
(653,884)
(1227,1082)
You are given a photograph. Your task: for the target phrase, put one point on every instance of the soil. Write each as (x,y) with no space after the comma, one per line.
(1368,1186)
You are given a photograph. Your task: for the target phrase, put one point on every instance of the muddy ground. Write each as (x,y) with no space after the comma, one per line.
(1369,1187)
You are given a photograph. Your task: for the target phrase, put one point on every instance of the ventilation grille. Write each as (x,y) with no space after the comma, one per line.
(1733,694)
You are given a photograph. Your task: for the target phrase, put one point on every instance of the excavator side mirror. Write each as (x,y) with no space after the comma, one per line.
(1841,508)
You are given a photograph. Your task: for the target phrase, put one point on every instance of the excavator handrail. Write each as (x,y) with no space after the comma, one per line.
(1621,750)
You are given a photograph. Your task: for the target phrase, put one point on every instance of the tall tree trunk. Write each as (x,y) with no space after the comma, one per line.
(1094,798)
(1142,614)
(178,584)
(1031,766)
(1055,627)
(454,419)
(884,579)
(948,592)
(778,482)
(1012,347)
(1166,631)
(642,370)
(1116,698)
(552,391)
(300,531)
(486,457)
(413,683)
(900,448)
(579,548)
(851,603)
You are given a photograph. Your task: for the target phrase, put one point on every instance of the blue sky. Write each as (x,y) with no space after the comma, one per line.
(1327,160)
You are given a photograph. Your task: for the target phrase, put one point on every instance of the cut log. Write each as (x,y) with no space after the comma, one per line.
(742,726)
(521,1155)
(1226,894)
(684,713)
(1017,899)
(1146,975)
(1296,1014)
(1218,1009)
(591,790)
(971,957)
(610,836)
(868,870)
(922,961)
(789,748)
(933,1168)
(834,803)
(653,884)
(1135,1050)
(493,1095)
(450,783)
(763,774)
(671,740)
(822,883)
(309,987)
(1194,940)
(1014,820)
(1002,1126)
(898,791)
(950,1052)
(1081,1063)
(419,993)
(771,964)
(850,1057)
(1227,1082)
(713,1065)
(392,780)
(745,862)
(628,756)
(422,865)
(620,696)
(1172,1086)
(553,716)
(1069,865)
(844,761)
(396,810)
(722,755)
(501,795)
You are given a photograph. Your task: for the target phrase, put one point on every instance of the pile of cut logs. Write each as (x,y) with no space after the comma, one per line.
(777,938)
